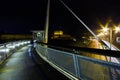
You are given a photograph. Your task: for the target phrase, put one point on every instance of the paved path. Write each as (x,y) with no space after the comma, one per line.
(19,66)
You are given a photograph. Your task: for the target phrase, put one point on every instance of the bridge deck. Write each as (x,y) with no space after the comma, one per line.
(22,66)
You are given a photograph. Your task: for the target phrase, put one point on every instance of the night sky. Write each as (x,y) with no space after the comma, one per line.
(22,16)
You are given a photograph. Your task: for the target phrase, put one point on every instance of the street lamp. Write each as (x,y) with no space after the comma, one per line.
(117,29)
(110,37)
(105,29)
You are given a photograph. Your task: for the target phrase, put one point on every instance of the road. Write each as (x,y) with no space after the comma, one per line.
(97,45)
(99,72)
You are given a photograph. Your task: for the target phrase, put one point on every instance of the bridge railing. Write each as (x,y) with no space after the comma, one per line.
(76,66)
(7,48)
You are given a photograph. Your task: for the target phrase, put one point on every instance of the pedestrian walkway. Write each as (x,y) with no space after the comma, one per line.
(19,66)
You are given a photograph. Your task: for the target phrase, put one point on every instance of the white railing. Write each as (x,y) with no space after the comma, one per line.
(7,48)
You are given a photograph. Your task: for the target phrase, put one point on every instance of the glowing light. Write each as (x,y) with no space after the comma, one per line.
(5,50)
(117,29)
(58,32)
(105,29)
(101,34)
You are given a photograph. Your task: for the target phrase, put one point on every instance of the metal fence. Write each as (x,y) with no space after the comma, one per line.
(81,67)
(7,48)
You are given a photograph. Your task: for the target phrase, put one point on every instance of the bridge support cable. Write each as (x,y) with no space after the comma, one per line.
(79,19)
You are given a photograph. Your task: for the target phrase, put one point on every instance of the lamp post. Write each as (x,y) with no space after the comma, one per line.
(105,32)
(110,38)
(105,29)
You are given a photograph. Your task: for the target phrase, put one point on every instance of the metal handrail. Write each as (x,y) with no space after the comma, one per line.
(77,65)
(110,53)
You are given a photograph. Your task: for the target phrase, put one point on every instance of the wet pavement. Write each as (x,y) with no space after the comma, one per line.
(20,66)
